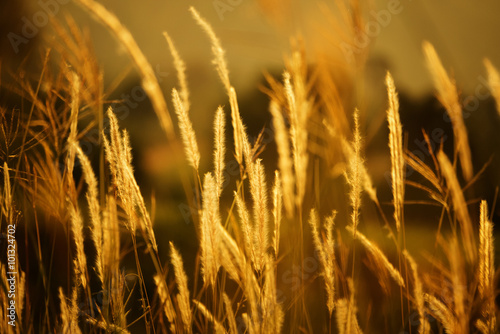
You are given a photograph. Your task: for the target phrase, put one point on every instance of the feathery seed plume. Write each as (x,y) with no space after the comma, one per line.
(182,285)
(424,326)
(69,314)
(396,146)
(353,174)
(180,67)
(218,328)
(442,313)
(231,319)
(220,148)
(94,207)
(448,96)
(347,322)
(246,226)
(277,208)
(187,133)
(284,160)
(219,57)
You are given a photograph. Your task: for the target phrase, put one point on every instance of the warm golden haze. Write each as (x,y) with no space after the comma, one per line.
(280,219)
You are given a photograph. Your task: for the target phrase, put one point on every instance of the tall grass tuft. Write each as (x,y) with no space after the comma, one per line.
(187,133)
(149,80)
(220,148)
(418,295)
(180,67)
(209,231)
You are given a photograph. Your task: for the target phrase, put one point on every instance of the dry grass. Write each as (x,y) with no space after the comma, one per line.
(149,80)
(220,148)
(486,272)
(187,133)
(459,205)
(261,270)
(493,81)
(209,231)
(396,146)
(379,256)
(418,295)
(284,161)
(183,299)
(354,176)
(346,314)
(447,94)
(326,251)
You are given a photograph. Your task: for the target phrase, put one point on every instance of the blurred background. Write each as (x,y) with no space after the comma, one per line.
(257,37)
(255,34)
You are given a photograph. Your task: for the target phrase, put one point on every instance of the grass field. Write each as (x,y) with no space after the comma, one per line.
(289,228)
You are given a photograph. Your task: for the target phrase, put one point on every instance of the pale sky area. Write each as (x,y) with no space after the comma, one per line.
(463,32)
